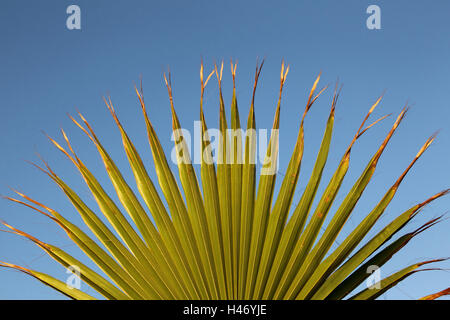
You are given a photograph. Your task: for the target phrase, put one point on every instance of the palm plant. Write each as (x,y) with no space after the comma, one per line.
(227,239)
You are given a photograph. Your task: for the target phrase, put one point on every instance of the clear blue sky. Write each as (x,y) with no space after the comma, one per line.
(48,70)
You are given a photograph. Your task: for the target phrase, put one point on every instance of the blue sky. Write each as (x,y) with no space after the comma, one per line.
(48,71)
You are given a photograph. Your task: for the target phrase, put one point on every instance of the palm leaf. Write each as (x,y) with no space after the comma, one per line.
(221,237)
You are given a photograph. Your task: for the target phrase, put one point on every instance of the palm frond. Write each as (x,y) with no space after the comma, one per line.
(231,236)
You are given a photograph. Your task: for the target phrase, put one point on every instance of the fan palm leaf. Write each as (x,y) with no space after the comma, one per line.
(231,236)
